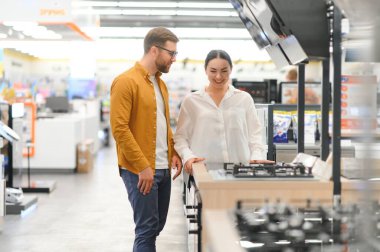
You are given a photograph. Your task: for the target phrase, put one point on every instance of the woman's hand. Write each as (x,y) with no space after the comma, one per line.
(189,164)
(176,165)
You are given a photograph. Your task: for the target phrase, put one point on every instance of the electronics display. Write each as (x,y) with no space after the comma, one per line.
(81,88)
(58,104)
(288,93)
(261,91)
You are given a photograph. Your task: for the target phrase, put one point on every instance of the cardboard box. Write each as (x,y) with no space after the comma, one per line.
(85,156)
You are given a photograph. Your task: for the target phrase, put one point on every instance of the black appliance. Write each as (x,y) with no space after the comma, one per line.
(58,104)
(193,213)
(278,170)
(281,227)
(292,31)
(261,91)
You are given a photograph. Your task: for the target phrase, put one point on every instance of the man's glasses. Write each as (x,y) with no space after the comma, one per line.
(171,53)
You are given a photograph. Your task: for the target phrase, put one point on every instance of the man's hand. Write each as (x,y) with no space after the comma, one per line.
(189,164)
(177,165)
(145,180)
(261,161)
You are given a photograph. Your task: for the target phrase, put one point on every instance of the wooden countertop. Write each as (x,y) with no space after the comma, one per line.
(287,190)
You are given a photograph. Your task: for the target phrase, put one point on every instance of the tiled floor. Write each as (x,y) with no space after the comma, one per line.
(88,212)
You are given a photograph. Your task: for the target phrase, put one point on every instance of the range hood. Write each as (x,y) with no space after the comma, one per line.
(292,31)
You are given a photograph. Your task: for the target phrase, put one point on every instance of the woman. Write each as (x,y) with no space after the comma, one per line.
(219,123)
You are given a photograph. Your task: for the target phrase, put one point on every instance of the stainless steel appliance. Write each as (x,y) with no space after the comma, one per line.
(193,212)
(287,152)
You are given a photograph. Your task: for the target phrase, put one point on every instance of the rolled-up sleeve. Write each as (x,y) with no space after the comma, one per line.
(183,133)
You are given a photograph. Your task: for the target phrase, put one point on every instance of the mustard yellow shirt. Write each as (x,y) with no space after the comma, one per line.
(133,119)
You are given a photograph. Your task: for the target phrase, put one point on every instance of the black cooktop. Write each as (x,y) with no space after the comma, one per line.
(277,170)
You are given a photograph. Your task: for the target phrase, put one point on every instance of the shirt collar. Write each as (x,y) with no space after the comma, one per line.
(231,90)
(145,72)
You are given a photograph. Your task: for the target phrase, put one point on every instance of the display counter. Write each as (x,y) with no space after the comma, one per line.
(221,241)
(56,140)
(222,192)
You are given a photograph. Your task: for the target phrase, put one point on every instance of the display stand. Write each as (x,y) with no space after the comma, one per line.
(27,203)
(37,186)
(7,132)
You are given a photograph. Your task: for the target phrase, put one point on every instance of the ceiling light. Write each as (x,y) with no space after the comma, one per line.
(150,12)
(132,49)
(148,4)
(155,12)
(188,33)
(207,13)
(161,4)
(47,35)
(97,12)
(205,5)
(94,4)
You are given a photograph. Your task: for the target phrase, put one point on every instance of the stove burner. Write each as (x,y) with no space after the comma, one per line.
(281,227)
(280,170)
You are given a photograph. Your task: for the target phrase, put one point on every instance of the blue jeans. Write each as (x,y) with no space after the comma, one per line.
(149,211)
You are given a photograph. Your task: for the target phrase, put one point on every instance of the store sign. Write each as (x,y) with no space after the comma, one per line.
(36,10)
(359,106)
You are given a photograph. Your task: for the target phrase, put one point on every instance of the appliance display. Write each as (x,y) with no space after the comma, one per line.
(250,12)
(261,91)
(57,104)
(278,170)
(81,88)
(193,213)
(288,93)
(281,227)
(290,34)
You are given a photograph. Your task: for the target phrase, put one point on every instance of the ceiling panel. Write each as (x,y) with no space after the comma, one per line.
(168,13)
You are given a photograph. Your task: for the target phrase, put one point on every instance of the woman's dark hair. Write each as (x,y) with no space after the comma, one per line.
(213,54)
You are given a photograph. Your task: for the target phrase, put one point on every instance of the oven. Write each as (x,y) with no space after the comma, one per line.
(193,212)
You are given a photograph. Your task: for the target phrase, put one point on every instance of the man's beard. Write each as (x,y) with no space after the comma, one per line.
(163,68)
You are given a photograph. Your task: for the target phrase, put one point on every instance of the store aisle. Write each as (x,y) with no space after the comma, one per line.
(87,212)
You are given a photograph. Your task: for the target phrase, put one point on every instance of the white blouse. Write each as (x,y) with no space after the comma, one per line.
(228,133)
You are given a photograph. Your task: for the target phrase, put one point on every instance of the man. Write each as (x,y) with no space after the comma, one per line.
(144,140)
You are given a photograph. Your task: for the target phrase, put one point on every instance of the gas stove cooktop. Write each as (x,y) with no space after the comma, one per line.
(277,170)
(281,227)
